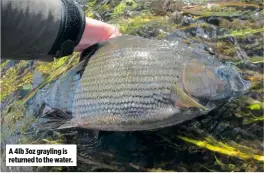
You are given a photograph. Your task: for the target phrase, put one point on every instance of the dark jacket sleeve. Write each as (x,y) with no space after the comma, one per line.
(40,29)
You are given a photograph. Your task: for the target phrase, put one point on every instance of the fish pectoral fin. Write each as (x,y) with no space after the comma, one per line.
(183,100)
(52,118)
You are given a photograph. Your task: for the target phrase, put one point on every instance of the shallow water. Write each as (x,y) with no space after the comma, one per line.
(230,30)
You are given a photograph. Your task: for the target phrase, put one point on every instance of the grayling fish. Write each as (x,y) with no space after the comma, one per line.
(132,83)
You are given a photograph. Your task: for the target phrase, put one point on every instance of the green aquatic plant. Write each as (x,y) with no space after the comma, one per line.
(213,10)
(220,147)
(130,25)
(228,166)
(225,48)
(220,9)
(253,120)
(119,9)
(14,78)
(12,81)
(203,25)
(255,77)
(47,68)
(59,68)
(237,4)
(238,24)
(256,59)
(103,7)
(92,3)
(159,170)
(13,119)
(242,33)
(90,6)
(256,106)
(4,63)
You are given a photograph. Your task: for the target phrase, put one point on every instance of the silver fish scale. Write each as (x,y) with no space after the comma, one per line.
(126,81)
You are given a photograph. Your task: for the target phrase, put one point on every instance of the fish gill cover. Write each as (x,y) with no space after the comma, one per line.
(229,138)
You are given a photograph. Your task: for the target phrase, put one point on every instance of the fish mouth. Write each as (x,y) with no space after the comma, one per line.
(239,85)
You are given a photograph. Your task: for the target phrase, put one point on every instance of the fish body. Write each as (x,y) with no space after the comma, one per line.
(132,83)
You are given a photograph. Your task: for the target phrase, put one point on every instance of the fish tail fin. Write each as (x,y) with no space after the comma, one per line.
(53,119)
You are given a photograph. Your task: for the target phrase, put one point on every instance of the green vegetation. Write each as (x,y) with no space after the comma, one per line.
(242,33)
(220,147)
(119,9)
(131,25)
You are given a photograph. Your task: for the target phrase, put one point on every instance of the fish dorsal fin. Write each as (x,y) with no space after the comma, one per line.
(80,67)
(85,57)
(52,118)
(183,100)
(56,113)
(89,51)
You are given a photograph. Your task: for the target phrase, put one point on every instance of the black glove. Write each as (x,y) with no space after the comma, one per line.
(71,29)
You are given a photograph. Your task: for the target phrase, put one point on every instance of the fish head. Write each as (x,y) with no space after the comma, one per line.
(212,80)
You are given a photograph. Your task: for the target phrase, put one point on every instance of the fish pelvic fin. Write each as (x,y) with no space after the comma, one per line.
(53,119)
(183,100)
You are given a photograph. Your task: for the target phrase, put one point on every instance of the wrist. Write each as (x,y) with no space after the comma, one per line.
(71,28)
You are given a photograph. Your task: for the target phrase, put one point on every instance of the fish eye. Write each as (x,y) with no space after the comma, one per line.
(223,73)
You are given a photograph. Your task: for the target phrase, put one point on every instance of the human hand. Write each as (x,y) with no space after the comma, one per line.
(96,31)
